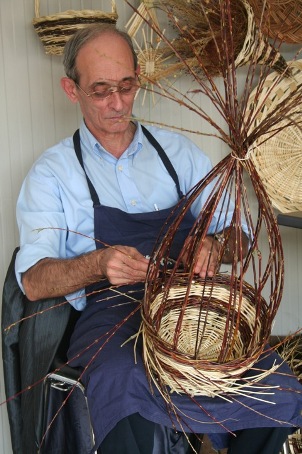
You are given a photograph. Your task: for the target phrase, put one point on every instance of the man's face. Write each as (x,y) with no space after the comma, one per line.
(106,59)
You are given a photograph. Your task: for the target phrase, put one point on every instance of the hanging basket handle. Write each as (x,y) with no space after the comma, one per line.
(113,7)
(37,8)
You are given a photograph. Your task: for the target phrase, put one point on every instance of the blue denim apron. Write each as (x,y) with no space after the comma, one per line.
(115,377)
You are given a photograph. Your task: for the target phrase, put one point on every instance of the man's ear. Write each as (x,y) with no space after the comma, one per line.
(70,89)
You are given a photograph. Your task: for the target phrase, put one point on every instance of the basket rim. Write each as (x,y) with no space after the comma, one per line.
(280,19)
(74,14)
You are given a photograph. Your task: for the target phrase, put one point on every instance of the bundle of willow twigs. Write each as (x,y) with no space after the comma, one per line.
(175,303)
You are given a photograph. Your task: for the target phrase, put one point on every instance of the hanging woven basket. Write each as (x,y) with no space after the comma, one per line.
(203,32)
(277,156)
(256,47)
(55,30)
(279,18)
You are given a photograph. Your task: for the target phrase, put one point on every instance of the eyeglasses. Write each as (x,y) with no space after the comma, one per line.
(104,90)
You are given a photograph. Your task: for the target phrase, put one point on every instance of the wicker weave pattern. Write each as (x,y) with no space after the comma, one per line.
(55,30)
(254,40)
(282,19)
(194,365)
(278,157)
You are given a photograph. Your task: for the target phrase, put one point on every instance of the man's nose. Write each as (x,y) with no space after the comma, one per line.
(115,97)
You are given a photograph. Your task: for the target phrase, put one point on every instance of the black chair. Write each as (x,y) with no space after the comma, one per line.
(34,360)
(65,401)
(34,352)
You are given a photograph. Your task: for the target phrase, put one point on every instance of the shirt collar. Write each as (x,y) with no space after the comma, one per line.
(90,142)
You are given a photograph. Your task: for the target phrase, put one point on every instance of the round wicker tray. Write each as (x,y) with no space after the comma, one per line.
(194,365)
(55,30)
(278,157)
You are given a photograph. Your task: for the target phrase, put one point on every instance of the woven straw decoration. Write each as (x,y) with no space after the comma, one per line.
(280,18)
(278,157)
(55,30)
(157,61)
(145,11)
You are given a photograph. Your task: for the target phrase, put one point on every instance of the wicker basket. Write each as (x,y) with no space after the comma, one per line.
(256,47)
(55,30)
(195,366)
(282,19)
(278,157)
(200,41)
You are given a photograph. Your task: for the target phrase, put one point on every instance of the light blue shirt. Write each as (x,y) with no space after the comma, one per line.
(55,200)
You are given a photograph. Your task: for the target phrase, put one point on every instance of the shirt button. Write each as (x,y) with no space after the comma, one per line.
(120,168)
(133,203)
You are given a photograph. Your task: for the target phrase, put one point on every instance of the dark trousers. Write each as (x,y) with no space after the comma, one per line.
(267,440)
(136,435)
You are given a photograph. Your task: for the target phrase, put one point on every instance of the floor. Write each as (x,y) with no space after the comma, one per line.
(297,449)
(208,449)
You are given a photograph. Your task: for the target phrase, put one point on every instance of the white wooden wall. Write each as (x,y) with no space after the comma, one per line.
(34,114)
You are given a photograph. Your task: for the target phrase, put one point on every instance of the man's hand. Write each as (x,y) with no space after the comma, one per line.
(123,265)
(58,277)
(206,262)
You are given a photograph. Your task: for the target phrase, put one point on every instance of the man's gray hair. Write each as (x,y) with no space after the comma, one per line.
(82,37)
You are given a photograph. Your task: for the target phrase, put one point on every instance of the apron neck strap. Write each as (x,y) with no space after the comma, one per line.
(77,148)
(166,161)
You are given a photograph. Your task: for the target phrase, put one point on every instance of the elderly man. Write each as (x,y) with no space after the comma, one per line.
(115,183)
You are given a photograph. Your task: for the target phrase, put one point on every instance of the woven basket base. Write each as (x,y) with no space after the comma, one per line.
(193,364)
